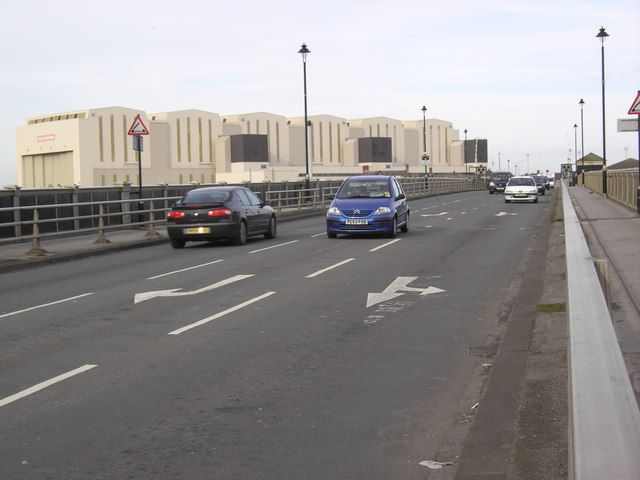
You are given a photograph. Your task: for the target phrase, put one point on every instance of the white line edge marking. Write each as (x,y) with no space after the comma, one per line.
(273,246)
(319,272)
(385,245)
(45,305)
(45,384)
(184,269)
(429,226)
(221,314)
(318,234)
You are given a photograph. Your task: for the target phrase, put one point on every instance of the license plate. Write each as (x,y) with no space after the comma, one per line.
(356,221)
(196,230)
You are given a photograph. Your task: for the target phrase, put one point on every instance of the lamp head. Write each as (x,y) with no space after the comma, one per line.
(424,109)
(304,51)
(581,102)
(602,34)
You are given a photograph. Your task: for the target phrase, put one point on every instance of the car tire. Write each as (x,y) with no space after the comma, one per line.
(405,228)
(175,243)
(393,233)
(507,201)
(535,201)
(273,229)
(331,235)
(491,192)
(241,237)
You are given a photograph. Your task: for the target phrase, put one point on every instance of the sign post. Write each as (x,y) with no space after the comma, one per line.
(635,110)
(137,130)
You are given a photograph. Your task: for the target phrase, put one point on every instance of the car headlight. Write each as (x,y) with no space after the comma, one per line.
(333,211)
(382,211)
(491,184)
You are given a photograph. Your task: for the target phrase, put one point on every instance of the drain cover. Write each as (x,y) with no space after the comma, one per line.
(482,350)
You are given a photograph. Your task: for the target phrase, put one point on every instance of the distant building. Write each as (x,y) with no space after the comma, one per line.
(624,164)
(91,147)
(588,163)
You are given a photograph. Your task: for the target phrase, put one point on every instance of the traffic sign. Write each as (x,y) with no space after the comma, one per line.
(138,127)
(635,106)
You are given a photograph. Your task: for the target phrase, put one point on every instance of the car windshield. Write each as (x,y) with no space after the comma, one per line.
(364,189)
(521,182)
(500,177)
(205,197)
(539,179)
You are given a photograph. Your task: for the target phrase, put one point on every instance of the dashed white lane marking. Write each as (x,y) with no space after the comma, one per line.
(433,214)
(449,218)
(45,384)
(184,269)
(273,246)
(463,213)
(221,314)
(45,305)
(429,226)
(320,272)
(385,245)
(318,234)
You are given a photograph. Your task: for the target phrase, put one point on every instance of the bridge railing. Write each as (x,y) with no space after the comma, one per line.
(28,218)
(604,420)
(622,185)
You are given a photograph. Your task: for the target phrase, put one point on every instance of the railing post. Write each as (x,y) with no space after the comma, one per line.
(17,229)
(152,232)
(36,249)
(76,210)
(101,236)
(125,196)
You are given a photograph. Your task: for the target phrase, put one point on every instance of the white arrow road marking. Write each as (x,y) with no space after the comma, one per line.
(221,314)
(173,292)
(185,269)
(400,283)
(45,305)
(502,214)
(434,214)
(45,384)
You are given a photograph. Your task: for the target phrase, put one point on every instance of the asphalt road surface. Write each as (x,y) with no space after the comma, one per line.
(301,357)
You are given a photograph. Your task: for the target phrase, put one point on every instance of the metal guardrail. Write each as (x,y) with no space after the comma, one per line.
(622,185)
(85,217)
(604,419)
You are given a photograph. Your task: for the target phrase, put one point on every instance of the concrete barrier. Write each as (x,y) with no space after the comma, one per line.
(604,425)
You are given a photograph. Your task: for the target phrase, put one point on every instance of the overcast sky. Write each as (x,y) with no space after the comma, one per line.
(509,71)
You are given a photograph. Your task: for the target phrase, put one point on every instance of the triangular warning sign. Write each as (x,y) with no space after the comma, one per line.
(138,127)
(635,106)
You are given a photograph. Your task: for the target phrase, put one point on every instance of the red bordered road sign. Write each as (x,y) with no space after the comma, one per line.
(138,127)
(635,106)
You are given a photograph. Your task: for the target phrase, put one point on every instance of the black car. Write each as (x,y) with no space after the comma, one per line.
(540,183)
(211,213)
(498,181)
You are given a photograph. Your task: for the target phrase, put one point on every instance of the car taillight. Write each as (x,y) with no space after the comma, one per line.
(174,215)
(220,212)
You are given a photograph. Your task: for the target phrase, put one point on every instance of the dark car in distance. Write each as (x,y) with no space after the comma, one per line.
(540,183)
(498,181)
(368,204)
(212,213)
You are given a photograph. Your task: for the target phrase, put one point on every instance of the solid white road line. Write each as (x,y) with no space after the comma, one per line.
(46,305)
(273,246)
(221,314)
(449,218)
(318,234)
(385,244)
(320,272)
(184,269)
(44,384)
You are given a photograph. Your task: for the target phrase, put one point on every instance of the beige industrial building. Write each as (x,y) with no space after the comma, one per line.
(92,147)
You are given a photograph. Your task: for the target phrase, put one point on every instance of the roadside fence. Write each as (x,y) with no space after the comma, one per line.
(622,185)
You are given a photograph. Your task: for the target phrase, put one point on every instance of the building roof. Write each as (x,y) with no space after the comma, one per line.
(590,159)
(628,163)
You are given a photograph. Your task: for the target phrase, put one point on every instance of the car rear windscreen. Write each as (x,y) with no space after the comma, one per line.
(206,197)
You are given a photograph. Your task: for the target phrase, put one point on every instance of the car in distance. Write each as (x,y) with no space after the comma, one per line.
(368,204)
(212,213)
(540,183)
(521,189)
(498,181)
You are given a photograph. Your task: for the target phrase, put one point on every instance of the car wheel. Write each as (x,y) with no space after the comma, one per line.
(507,201)
(491,192)
(535,201)
(332,235)
(241,237)
(175,243)
(394,228)
(271,233)
(405,228)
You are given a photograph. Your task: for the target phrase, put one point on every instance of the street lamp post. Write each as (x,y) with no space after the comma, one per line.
(499,164)
(465,134)
(528,169)
(581,102)
(602,35)
(304,51)
(424,140)
(575,143)
(508,165)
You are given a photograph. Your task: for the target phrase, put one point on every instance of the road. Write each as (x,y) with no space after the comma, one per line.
(260,361)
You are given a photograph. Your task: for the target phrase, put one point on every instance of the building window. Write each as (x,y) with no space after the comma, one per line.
(126,178)
(377,129)
(114,180)
(202,178)
(330,142)
(370,131)
(100,139)
(313,144)
(248,126)
(395,150)
(124,138)
(321,138)
(210,142)
(386,129)
(269,138)
(257,127)
(180,180)
(112,137)
(178,146)
(339,146)
(199,140)
(103,180)
(191,178)
(189,139)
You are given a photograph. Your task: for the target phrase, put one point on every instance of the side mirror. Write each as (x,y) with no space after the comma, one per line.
(402,196)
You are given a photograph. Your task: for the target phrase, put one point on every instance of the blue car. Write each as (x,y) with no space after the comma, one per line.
(368,204)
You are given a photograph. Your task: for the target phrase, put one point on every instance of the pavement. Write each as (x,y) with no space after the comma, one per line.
(613,234)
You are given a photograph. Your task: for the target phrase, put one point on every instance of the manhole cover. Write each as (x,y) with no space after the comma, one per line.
(482,350)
